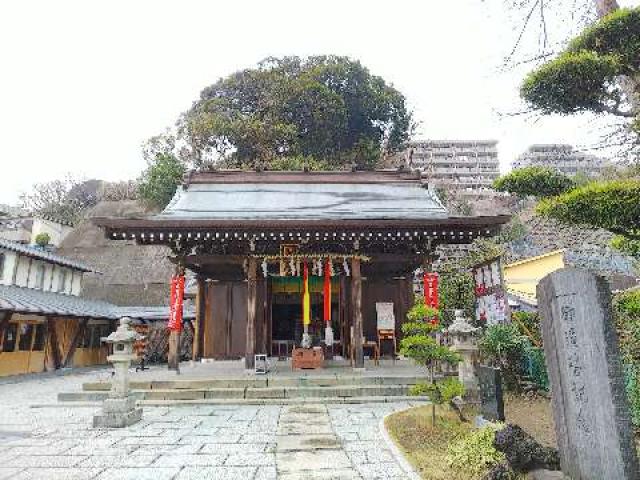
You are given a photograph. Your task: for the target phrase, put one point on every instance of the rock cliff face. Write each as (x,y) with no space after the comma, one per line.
(584,247)
(129,274)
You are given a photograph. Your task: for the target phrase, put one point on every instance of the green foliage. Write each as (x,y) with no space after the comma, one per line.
(616,34)
(43,239)
(482,250)
(501,341)
(632,389)
(456,292)
(419,311)
(626,245)
(504,346)
(160,180)
(534,181)
(326,107)
(441,392)
(626,310)
(419,327)
(417,342)
(528,324)
(573,82)
(512,231)
(475,452)
(299,163)
(587,75)
(614,206)
(424,350)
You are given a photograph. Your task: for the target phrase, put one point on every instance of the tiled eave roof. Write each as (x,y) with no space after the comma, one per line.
(29,301)
(164,231)
(43,255)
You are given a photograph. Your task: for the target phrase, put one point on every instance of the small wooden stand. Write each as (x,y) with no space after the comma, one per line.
(387,334)
(307,358)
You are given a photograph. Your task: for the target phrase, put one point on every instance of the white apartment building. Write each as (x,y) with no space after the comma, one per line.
(561,157)
(470,165)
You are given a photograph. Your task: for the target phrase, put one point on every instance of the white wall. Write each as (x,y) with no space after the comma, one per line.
(10,258)
(26,274)
(57,232)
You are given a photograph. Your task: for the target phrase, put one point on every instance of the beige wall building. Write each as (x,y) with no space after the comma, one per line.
(471,165)
(57,231)
(561,157)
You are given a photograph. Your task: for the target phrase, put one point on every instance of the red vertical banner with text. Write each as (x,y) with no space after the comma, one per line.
(176,301)
(431,291)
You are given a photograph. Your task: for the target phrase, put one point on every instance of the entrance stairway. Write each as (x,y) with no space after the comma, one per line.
(260,390)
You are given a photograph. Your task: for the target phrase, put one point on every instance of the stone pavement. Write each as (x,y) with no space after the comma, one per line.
(187,442)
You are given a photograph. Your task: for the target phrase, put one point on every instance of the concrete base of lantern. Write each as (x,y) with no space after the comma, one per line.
(118,413)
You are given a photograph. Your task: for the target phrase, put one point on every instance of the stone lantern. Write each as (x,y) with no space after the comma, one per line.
(119,409)
(464,337)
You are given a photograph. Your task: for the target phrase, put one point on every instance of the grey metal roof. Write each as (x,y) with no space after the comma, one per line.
(32,301)
(43,255)
(304,201)
(152,313)
(36,302)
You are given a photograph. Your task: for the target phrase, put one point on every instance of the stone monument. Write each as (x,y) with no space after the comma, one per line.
(464,337)
(491,396)
(119,410)
(590,409)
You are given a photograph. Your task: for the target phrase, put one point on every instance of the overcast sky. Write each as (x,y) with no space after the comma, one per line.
(84,83)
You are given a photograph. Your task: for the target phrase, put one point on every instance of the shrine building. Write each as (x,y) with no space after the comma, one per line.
(285,259)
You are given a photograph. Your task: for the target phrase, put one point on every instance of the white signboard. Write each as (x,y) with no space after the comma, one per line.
(386,318)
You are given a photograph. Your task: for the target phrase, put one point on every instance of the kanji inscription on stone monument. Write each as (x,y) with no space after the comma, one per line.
(592,421)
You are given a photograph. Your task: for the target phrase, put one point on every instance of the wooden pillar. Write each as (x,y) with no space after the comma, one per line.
(75,340)
(5,317)
(174,350)
(198,324)
(265,346)
(252,288)
(173,356)
(356,304)
(52,360)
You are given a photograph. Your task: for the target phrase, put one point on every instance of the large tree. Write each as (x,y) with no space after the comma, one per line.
(594,72)
(330,108)
(534,181)
(614,206)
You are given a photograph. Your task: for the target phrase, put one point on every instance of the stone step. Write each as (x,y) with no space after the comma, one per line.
(285,401)
(248,393)
(262,382)
(245,401)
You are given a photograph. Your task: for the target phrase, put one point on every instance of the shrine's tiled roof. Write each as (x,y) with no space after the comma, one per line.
(269,197)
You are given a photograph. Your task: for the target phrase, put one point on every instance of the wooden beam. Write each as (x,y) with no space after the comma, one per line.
(173,356)
(82,326)
(198,324)
(252,288)
(53,343)
(356,303)
(5,318)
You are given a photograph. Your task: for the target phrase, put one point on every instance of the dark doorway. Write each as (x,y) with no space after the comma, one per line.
(286,318)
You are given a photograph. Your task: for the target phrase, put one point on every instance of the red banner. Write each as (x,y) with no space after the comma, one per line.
(431,289)
(327,293)
(175,305)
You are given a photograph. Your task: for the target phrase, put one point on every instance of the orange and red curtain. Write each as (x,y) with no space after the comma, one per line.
(306,299)
(327,293)
(176,301)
